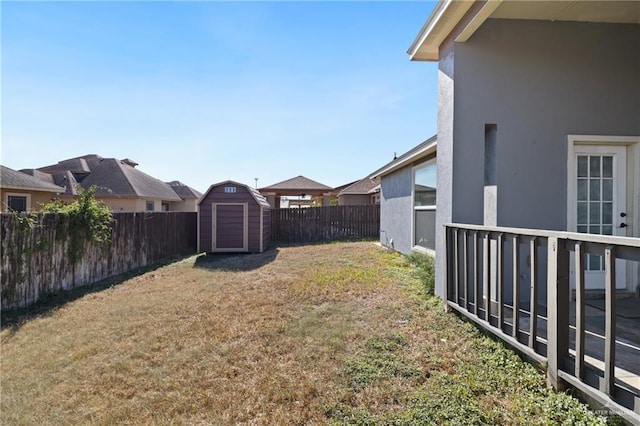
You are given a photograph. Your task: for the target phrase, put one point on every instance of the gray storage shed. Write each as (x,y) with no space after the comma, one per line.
(233,217)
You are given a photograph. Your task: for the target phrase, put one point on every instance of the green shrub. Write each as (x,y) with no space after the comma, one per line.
(88,220)
(425,270)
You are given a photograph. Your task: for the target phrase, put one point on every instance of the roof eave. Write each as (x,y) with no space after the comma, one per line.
(27,188)
(425,151)
(444,18)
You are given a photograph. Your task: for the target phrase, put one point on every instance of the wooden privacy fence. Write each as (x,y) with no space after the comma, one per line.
(314,224)
(35,259)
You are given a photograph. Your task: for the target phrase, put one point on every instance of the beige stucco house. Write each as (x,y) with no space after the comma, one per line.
(24,193)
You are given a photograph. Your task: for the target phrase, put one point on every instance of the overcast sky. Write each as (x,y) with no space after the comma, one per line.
(203,92)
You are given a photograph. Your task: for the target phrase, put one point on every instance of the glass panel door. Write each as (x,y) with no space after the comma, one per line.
(599,199)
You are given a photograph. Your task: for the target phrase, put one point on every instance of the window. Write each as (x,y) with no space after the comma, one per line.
(165,207)
(375,198)
(424,202)
(18,202)
(150,206)
(424,184)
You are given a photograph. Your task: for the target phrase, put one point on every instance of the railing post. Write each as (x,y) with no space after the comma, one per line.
(610,320)
(447,274)
(477,293)
(465,269)
(557,309)
(486,277)
(456,267)
(500,279)
(580,309)
(533,294)
(516,288)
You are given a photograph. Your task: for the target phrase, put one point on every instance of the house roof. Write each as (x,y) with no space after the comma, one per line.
(113,178)
(260,199)
(362,187)
(13,179)
(418,152)
(185,192)
(449,14)
(298,185)
(118,179)
(78,165)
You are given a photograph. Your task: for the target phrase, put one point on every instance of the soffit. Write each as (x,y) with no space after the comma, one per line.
(620,12)
(448,13)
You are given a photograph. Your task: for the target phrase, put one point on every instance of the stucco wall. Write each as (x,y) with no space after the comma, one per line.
(396,210)
(190,205)
(122,204)
(37,198)
(354,199)
(538,81)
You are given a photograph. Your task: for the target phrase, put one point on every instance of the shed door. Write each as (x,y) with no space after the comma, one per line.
(230,227)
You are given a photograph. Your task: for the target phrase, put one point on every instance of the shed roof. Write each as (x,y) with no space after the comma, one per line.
(260,199)
(13,179)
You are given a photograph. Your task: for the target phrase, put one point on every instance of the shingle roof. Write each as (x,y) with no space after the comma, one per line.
(115,178)
(14,179)
(300,183)
(363,186)
(74,165)
(184,191)
(67,180)
(260,199)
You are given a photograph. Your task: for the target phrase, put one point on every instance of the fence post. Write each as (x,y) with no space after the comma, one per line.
(557,309)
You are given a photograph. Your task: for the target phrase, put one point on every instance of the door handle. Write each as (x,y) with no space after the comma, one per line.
(623,225)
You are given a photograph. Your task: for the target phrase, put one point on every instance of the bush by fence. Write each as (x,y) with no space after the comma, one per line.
(316,224)
(35,257)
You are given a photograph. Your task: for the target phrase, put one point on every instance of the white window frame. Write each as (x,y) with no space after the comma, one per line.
(17,194)
(146,206)
(415,208)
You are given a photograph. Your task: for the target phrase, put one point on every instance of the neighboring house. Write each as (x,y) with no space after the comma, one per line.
(539,134)
(364,191)
(24,193)
(119,184)
(407,199)
(298,186)
(188,195)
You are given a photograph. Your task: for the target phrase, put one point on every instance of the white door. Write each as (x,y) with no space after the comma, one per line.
(599,192)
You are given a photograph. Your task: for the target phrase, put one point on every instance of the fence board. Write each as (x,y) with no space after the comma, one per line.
(34,261)
(315,224)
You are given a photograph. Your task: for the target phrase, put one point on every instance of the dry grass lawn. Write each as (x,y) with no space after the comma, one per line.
(317,334)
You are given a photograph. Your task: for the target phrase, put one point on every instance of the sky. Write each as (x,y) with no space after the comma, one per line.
(204,92)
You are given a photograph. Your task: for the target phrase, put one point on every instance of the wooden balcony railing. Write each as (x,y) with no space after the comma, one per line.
(496,278)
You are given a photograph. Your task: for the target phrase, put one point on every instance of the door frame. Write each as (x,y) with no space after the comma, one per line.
(632,145)
(245,228)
